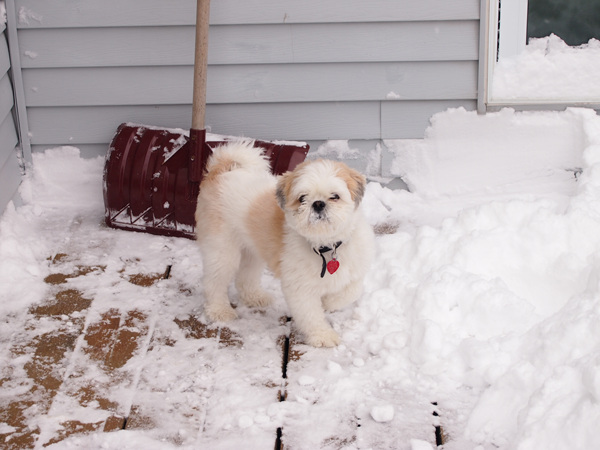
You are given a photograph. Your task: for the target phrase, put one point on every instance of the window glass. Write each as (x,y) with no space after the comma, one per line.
(574,21)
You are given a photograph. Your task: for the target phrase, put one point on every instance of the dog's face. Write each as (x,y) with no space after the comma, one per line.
(319,199)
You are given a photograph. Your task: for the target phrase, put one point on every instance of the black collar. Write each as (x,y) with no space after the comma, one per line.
(325,249)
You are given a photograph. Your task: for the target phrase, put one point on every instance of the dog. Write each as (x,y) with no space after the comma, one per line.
(306,226)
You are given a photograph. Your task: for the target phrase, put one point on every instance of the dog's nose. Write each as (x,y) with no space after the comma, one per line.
(318,206)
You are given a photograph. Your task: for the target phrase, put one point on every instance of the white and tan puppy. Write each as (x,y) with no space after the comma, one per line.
(305,226)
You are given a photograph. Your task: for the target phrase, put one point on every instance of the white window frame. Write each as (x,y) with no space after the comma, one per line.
(509,41)
(513,35)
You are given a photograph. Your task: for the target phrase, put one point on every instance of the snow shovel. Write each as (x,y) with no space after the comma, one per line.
(152,175)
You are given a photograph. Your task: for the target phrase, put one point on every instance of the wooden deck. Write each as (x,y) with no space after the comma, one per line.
(90,363)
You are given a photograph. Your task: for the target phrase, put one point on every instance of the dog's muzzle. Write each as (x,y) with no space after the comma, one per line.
(318,206)
(318,212)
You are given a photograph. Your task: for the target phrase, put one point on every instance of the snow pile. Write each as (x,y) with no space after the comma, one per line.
(59,180)
(458,157)
(549,69)
(485,300)
(503,300)
(467,159)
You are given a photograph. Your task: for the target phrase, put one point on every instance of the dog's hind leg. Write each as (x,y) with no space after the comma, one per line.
(220,261)
(248,281)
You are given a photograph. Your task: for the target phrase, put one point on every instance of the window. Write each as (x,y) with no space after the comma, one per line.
(543,52)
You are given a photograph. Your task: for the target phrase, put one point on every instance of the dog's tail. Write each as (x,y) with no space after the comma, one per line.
(240,154)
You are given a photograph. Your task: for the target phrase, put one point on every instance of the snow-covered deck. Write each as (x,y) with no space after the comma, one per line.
(119,343)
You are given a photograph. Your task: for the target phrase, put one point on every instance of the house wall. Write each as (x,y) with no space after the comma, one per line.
(10,171)
(309,70)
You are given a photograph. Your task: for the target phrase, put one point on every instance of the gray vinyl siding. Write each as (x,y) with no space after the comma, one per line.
(10,172)
(307,70)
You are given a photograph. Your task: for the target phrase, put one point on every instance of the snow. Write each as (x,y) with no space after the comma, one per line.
(26,15)
(484,298)
(538,73)
(382,413)
(335,149)
(306,380)
(417,444)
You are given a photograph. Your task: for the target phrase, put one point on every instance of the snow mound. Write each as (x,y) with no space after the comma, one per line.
(548,68)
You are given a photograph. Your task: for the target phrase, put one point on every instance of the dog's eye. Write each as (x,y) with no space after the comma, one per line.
(302,198)
(334,197)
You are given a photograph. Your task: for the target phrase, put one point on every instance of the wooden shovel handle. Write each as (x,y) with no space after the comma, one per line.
(200,64)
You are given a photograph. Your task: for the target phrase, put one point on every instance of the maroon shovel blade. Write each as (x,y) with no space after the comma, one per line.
(152,177)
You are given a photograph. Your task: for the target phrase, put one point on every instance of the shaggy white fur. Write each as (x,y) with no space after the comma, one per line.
(306,226)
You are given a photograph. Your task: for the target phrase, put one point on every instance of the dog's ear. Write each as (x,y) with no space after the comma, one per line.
(356,182)
(284,184)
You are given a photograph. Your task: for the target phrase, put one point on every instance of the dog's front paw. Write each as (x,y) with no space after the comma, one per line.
(325,337)
(220,313)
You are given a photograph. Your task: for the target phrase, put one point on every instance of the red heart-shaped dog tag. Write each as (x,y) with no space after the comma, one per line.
(332,266)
